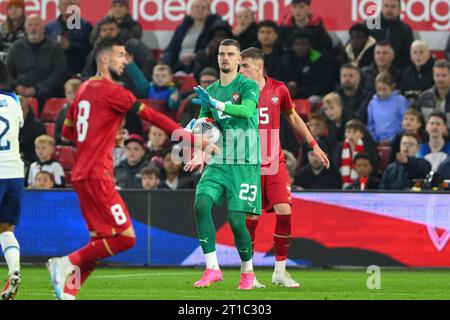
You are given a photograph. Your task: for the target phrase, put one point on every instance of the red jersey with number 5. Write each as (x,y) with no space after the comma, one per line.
(96,115)
(273,98)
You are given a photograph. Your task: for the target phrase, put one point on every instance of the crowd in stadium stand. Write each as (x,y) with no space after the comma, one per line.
(379,105)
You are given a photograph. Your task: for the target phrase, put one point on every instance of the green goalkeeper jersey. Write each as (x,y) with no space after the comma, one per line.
(240,138)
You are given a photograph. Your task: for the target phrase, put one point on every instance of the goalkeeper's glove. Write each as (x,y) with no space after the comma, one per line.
(205,99)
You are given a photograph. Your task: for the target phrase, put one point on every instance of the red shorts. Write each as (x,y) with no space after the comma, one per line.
(102,207)
(275,189)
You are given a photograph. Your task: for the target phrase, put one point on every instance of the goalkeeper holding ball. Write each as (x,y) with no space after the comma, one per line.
(235,173)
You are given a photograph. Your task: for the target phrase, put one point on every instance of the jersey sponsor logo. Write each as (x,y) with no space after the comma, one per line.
(3,103)
(236,97)
(275,100)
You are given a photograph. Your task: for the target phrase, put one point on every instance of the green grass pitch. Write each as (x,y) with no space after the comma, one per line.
(177,284)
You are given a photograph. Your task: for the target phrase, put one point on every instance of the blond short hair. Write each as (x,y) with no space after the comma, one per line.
(420,44)
(45,139)
(162,67)
(332,98)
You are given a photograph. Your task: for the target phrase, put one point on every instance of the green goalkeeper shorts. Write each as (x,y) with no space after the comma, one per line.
(240,184)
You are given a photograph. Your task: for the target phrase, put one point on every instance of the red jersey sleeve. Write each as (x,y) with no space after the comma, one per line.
(286,102)
(68,129)
(122,99)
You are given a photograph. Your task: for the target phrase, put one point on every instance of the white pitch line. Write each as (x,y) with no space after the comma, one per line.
(145,274)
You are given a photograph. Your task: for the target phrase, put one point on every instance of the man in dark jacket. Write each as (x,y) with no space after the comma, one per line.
(74,40)
(394,30)
(400,174)
(37,64)
(359,49)
(306,71)
(301,18)
(128,171)
(268,42)
(192,35)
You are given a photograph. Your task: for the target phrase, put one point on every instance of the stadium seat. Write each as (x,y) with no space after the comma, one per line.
(50,128)
(303,107)
(68,177)
(181,109)
(186,83)
(51,109)
(384,153)
(66,156)
(34,104)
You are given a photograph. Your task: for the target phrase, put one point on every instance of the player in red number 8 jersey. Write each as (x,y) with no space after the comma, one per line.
(275,188)
(93,121)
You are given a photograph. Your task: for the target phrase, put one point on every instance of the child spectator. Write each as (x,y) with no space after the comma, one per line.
(437,149)
(70,88)
(346,151)
(336,114)
(172,174)
(157,143)
(386,110)
(45,147)
(119,147)
(43,180)
(162,91)
(400,174)
(411,123)
(150,177)
(365,169)
(128,171)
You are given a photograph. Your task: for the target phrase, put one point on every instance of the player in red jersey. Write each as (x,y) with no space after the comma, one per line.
(275,188)
(93,121)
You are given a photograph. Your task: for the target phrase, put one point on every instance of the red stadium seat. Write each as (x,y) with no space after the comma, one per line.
(186,83)
(181,109)
(50,128)
(303,107)
(384,153)
(51,109)
(68,176)
(34,104)
(66,156)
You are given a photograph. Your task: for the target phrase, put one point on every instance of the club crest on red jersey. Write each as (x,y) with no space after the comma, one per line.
(275,100)
(236,97)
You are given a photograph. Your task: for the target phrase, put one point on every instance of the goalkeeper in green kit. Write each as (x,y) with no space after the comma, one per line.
(233,175)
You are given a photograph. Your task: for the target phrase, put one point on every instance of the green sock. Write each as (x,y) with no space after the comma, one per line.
(205,225)
(242,237)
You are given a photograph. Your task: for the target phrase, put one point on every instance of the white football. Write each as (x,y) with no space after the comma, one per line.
(207,128)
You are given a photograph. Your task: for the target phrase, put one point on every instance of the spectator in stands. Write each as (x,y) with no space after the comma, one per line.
(437,98)
(438,148)
(394,30)
(306,71)
(13,27)
(45,148)
(418,76)
(70,88)
(364,167)
(291,166)
(140,53)
(43,181)
(318,126)
(119,151)
(173,180)
(267,36)
(162,92)
(412,123)
(354,98)
(359,50)
(386,109)
(384,57)
(128,171)
(301,19)
(192,35)
(129,28)
(32,128)
(150,178)
(36,63)
(315,176)
(158,142)
(207,57)
(355,142)
(207,77)
(246,28)
(400,174)
(74,40)
(336,115)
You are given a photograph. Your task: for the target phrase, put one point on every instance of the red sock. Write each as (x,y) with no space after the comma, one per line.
(251,226)
(282,236)
(78,277)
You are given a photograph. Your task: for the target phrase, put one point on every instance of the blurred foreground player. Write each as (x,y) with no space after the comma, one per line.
(93,121)
(275,187)
(11,184)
